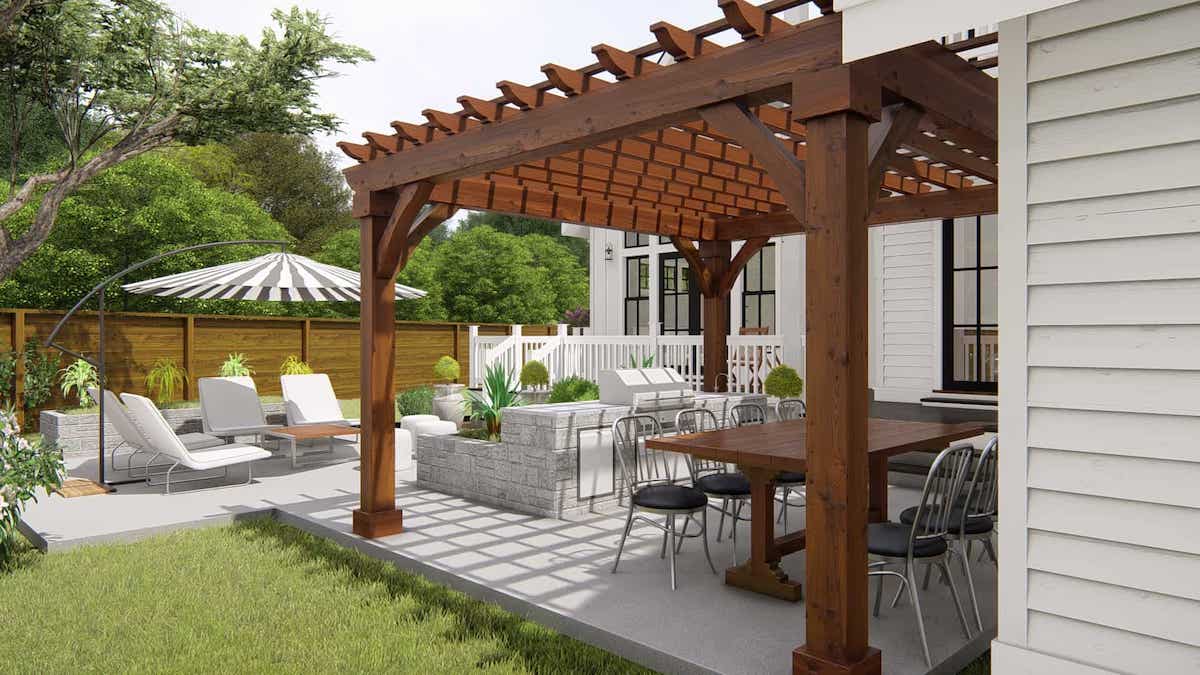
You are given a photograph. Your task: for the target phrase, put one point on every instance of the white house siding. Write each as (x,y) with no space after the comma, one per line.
(1100,410)
(905,310)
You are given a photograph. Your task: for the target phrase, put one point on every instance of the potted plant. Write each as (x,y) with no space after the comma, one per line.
(165,381)
(783,382)
(448,402)
(498,394)
(535,381)
(75,379)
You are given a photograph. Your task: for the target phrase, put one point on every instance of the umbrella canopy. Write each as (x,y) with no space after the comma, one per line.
(278,277)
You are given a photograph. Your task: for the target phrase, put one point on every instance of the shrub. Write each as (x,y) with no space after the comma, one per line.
(292,365)
(165,380)
(534,374)
(446,369)
(76,378)
(8,376)
(783,382)
(235,365)
(498,394)
(40,370)
(24,468)
(574,388)
(416,401)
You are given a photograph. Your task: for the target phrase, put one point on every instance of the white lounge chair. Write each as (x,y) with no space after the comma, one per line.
(164,443)
(309,399)
(132,436)
(230,407)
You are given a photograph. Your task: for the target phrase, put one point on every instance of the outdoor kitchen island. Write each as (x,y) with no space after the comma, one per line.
(556,460)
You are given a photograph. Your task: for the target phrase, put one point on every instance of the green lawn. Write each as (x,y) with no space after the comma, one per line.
(259,597)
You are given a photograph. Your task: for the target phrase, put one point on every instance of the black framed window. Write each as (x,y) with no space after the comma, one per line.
(970,328)
(678,297)
(637,295)
(636,239)
(758,290)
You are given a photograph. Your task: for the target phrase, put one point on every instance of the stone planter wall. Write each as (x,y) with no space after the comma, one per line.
(79,435)
(534,468)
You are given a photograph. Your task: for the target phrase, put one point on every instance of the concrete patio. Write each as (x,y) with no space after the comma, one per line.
(555,572)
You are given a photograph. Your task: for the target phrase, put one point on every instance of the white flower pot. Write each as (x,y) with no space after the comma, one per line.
(449,404)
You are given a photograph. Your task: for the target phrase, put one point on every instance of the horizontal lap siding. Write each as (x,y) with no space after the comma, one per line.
(1113,351)
(907,306)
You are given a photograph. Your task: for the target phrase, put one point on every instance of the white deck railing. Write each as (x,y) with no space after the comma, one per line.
(750,357)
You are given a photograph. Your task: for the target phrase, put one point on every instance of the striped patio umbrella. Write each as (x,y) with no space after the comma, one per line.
(278,277)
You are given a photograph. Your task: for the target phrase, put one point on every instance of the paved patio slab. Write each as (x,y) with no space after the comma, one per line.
(556,572)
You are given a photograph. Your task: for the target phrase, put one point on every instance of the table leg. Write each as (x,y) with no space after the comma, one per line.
(294,465)
(877,499)
(761,573)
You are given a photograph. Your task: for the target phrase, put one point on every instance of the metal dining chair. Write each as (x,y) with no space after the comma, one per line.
(973,520)
(713,477)
(924,540)
(649,479)
(790,482)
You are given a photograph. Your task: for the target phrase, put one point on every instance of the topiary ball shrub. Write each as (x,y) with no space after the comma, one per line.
(416,401)
(446,369)
(574,388)
(783,382)
(534,374)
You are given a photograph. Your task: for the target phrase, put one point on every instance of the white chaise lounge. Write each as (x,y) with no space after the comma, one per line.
(132,436)
(309,399)
(230,407)
(164,443)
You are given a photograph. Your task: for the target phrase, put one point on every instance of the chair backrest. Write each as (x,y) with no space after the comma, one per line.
(641,466)
(230,403)
(791,409)
(943,487)
(981,490)
(697,421)
(159,435)
(747,413)
(114,412)
(309,399)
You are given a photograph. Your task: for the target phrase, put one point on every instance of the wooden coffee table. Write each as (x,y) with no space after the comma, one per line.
(308,432)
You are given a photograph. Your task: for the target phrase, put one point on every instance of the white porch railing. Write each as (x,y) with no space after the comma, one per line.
(750,357)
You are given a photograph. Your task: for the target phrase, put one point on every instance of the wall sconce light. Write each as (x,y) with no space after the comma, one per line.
(608,252)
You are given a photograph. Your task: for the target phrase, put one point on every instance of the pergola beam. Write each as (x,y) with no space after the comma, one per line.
(782,165)
(760,70)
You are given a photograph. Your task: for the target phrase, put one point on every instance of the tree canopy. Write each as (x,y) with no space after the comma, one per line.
(522,225)
(123,78)
(341,249)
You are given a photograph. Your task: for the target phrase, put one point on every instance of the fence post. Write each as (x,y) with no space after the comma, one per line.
(472,354)
(189,356)
(454,336)
(306,340)
(18,341)
(515,330)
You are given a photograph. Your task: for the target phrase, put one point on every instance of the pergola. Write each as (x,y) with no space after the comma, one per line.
(771,135)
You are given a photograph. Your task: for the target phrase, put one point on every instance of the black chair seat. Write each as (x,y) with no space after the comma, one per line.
(670,498)
(975,524)
(789,477)
(891,539)
(724,484)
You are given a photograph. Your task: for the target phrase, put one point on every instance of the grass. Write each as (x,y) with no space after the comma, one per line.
(260,596)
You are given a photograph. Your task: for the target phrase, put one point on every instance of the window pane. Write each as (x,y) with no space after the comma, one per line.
(644,276)
(964,242)
(989,355)
(989,295)
(682,315)
(752,275)
(668,318)
(987,241)
(643,317)
(768,268)
(964,351)
(631,317)
(964,297)
(631,277)
(668,275)
(750,311)
(685,276)
(768,312)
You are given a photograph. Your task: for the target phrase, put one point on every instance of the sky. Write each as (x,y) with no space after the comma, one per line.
(428,53)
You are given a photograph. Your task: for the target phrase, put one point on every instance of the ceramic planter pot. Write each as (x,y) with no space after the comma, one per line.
(449,403)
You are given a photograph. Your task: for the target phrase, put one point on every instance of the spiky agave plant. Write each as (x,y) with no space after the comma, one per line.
(75,380)
(499,392)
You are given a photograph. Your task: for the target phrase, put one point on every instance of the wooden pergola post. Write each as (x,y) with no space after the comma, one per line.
(836,206)
(715,256)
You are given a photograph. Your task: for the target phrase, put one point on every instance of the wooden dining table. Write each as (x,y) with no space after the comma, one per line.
(762,451)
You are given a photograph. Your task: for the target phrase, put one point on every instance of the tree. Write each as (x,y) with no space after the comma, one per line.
(124,78)
(490,276)
(522,226)
(567,277)
(145,206)
(342,250)
(289,177)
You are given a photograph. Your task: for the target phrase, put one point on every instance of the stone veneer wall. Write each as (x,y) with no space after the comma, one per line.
(78,434)
(533,468)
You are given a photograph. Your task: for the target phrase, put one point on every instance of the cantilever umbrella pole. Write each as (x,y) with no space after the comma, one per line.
(99,361)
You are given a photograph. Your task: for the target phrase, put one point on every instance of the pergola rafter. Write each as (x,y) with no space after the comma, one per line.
(768,136)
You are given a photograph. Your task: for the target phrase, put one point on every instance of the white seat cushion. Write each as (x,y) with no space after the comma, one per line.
(197,441)
(409,421)
(435,428)
(404,448)
(225,455)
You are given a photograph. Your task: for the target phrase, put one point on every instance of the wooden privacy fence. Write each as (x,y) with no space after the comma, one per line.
(199,343)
